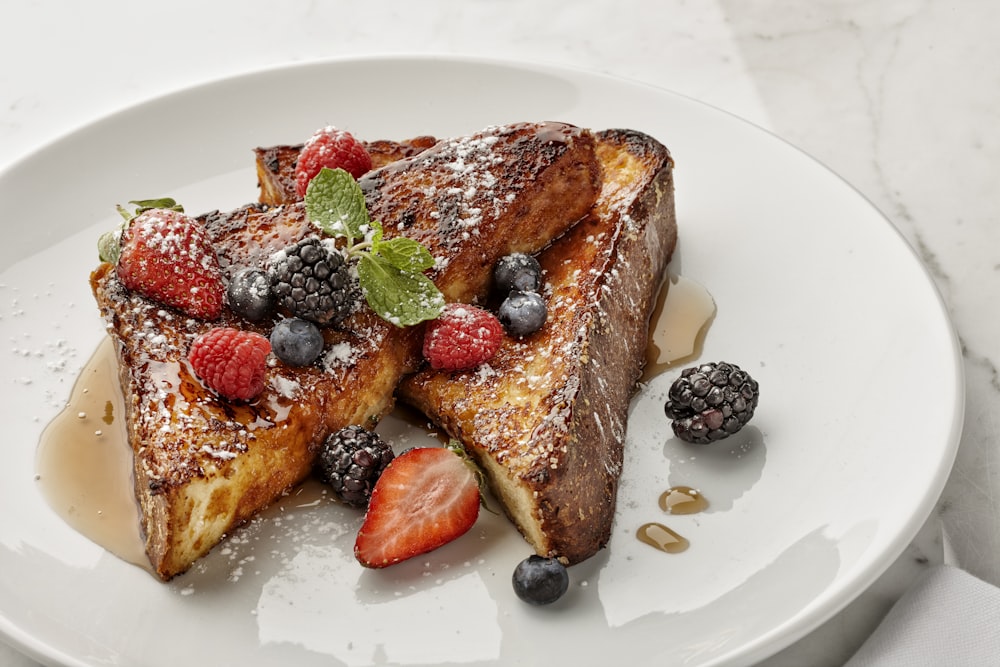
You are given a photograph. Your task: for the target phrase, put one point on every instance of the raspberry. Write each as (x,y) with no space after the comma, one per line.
(231,361)
(166,256)
(332,148)
(462,337)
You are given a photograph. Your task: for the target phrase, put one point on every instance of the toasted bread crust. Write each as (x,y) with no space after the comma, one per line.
(546,418)
(203,464)
(529,198)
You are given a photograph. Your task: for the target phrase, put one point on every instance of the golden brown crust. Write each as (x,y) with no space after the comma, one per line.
(483,197)
(203,464)
(546,417)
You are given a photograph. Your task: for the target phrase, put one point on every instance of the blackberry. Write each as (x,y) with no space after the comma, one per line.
(351,461)
(313,281)
(517,271)
(711,402)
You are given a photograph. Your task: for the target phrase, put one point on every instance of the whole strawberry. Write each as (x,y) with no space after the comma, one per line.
(331,148)
(166,256)
(231,361)
(462,337)
(425,498)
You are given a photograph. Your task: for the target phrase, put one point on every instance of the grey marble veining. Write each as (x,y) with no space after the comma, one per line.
(902,106)
(901,98)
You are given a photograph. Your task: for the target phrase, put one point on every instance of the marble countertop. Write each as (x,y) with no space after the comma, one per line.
(901,98)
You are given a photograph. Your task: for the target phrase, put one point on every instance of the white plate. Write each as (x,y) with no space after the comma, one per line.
(818,297)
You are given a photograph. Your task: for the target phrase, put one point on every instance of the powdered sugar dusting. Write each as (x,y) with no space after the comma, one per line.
(471,161)
(286,387)
(340,355)
(43,357)
(269,542)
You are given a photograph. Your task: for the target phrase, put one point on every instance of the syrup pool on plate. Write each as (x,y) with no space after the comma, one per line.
(682,500)
(661,537)
(680,320)
(675,500)
(683,313)
(84,463)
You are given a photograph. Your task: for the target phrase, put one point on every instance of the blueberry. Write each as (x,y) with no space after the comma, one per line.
(517,272)
(538,580)
(296,342)
(249,294)
(523,313)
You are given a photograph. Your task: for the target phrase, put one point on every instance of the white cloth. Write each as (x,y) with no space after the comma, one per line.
(948,617)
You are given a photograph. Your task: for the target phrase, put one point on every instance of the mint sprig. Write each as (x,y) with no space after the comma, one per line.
(390,271)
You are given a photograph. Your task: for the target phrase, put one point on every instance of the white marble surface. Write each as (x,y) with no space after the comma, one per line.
(900,97)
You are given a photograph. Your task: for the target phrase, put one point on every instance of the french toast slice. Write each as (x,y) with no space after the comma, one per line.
(204,464)
(546,417)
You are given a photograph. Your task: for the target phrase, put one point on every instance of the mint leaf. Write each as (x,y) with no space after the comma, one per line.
(401,297)
(109,246)
(389,272)
(163,202)
(374,231)
(142,205)
(335,203)
(404,253)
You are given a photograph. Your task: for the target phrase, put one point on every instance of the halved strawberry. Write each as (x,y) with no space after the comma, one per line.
(425,498)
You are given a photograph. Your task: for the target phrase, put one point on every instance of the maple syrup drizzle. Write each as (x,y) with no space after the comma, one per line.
(84,462)
(683,313)
(683,500)
(680,320)
(659,536)
(675,500)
